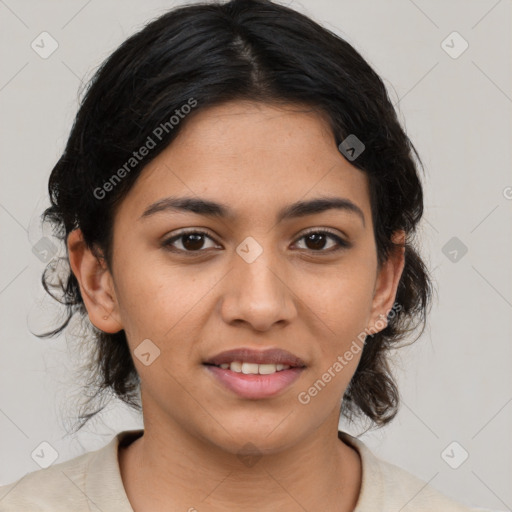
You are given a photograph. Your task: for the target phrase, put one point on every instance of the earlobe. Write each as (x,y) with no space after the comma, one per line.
(96,284)
(386,285)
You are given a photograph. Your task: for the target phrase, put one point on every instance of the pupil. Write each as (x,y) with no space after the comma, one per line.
(196,244)
(318,240)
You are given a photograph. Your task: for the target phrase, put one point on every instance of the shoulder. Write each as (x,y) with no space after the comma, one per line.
(386,486)
(77,484)
(55,488)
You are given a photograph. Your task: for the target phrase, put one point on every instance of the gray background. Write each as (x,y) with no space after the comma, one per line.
(455,380)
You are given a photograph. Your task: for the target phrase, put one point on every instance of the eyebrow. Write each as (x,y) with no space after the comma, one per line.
(213,209)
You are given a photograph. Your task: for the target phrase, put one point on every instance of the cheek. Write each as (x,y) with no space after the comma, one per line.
(159,300)
(340,311)
(342,299)
(140,291)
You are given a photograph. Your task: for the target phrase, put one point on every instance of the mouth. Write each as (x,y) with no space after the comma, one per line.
(249,357)
(252,368)
(255,374)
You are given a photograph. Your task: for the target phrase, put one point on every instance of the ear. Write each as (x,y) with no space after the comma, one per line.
(386,284)
(96,284)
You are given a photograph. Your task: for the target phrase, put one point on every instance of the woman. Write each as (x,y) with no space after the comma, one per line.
(238,201)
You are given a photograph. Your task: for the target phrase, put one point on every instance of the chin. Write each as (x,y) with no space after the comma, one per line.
(249,435)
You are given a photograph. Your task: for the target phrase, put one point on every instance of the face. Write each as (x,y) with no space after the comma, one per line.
(258,277)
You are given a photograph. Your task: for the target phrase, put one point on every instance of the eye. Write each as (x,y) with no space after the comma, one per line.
(194,241)
(317,239)
(190,241)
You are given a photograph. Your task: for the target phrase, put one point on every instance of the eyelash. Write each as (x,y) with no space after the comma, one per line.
(342,244)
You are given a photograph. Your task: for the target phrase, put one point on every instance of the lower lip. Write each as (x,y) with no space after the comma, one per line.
(255,386)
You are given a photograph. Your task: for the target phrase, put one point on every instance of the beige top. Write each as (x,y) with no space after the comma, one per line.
(94,478)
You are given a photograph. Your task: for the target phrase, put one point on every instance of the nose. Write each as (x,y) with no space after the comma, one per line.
(258,293)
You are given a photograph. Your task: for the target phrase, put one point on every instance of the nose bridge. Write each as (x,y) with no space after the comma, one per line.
(257,292)
(256,269)
(259,275)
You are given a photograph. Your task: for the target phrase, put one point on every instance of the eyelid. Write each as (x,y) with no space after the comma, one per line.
(186,231)
(324,230)
(342,241)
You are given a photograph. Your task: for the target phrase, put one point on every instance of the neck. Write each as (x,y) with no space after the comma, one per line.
(171,469)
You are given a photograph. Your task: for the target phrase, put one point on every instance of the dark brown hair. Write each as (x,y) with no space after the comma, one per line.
(217,52)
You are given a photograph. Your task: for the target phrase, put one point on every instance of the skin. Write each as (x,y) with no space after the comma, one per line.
(306,299)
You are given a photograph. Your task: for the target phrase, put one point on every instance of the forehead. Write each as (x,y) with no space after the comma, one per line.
(255,157)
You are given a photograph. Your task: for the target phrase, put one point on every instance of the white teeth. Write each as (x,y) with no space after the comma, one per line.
(249,368)
(265,369)
(253,368)
(236,366)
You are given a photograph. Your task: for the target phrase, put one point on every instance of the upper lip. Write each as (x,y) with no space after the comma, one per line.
(247,355)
